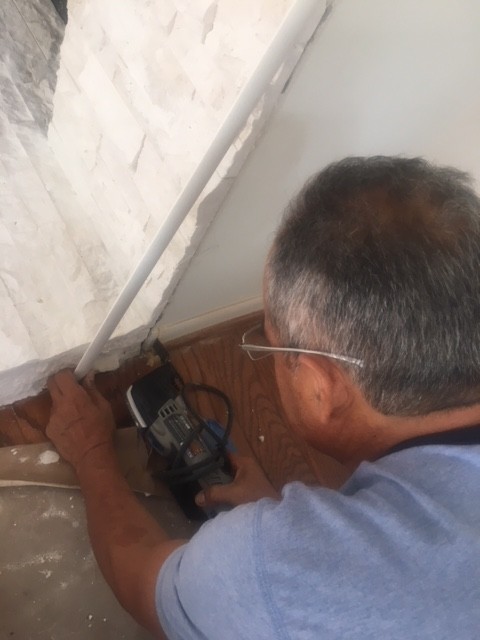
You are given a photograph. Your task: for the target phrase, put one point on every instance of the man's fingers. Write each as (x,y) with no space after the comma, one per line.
(63,383)
(53,388)
(89,380)
(58,385)
(216,494)
(237,461)
(88,383)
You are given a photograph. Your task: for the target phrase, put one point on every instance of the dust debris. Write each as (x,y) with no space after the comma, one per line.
(47,573)
(52,512)
(51,556)
(48,457)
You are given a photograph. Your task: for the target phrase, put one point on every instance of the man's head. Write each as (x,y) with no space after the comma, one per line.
(379,259)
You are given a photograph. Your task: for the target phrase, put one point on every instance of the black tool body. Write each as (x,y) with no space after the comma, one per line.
(195,449)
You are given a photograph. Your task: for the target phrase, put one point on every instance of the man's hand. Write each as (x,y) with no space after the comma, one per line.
(81,421)
(249,485)
(129,544)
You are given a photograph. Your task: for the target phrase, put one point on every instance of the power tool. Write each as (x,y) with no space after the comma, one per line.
(194,450)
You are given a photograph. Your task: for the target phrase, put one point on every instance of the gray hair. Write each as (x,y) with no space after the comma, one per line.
(378,258)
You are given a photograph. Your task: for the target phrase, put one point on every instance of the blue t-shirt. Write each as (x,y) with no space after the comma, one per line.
(395,554)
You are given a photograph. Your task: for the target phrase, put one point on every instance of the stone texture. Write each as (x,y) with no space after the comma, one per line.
(130,101)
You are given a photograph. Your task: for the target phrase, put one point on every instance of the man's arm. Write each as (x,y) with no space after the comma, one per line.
(129,545)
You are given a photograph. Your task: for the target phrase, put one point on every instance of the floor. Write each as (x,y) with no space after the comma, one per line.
(43,530)
(50,585)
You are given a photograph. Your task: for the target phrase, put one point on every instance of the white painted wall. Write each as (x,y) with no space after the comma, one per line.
(381,77)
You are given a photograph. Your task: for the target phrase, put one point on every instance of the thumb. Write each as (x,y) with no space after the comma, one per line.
(88,381)
(215,495)
(89,385)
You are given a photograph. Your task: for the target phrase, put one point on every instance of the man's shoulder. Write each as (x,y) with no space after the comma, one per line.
(435,474)
(412,486)
(371,557)
(399,528)
(420,501)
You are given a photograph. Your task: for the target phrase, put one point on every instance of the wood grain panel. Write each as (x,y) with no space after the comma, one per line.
(211,356)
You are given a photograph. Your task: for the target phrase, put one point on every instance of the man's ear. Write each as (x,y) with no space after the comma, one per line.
(324,385)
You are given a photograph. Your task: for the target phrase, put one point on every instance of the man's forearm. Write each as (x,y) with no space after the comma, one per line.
(130,546)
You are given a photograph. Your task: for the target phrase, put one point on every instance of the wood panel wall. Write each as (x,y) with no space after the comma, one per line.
(211,356)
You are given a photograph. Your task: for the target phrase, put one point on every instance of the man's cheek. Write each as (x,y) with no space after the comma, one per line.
(287,396)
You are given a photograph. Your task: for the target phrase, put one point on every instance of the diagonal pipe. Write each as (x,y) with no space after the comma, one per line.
(287,36)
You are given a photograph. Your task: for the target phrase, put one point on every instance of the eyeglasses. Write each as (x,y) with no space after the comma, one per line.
(256,345)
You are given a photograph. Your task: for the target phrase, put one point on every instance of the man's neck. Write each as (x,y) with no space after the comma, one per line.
(374,434)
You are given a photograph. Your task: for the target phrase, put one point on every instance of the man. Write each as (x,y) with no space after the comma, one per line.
(372,308)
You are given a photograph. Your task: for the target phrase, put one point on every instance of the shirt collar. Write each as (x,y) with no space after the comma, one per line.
(459,436)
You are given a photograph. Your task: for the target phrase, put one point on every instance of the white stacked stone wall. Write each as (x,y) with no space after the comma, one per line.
(141,89)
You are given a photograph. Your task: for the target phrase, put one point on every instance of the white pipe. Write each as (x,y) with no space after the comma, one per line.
(287,36)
